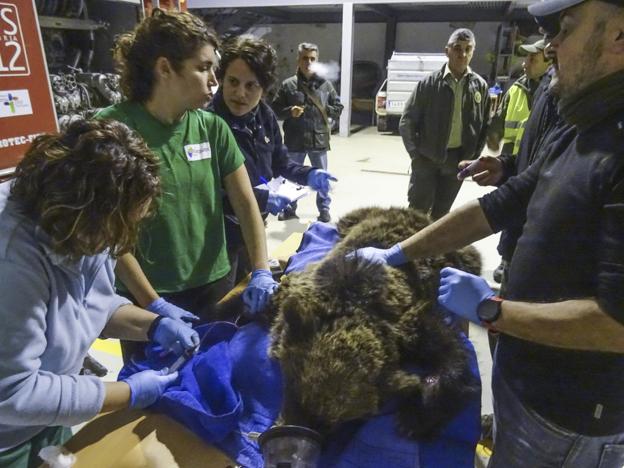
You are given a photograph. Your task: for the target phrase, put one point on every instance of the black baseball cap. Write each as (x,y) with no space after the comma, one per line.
(550,7)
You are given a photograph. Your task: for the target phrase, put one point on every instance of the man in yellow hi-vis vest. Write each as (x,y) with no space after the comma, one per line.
(516,105)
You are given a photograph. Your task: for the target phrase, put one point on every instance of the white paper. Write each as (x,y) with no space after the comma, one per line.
(287,189)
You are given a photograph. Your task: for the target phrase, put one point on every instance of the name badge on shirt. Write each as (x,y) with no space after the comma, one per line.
(197,152)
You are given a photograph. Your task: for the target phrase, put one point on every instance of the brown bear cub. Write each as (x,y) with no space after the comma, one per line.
(346,332)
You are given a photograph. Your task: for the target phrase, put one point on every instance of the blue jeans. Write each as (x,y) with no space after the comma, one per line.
(317,159)
(525,439)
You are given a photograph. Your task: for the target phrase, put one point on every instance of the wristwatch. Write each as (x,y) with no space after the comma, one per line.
(490,309)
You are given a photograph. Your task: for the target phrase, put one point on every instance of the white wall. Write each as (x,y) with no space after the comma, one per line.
(432,37)
(369,41)
(286,37)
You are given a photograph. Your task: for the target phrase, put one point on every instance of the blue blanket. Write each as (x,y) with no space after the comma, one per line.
(231,388)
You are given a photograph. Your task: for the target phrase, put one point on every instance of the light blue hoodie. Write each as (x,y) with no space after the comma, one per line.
(51,311)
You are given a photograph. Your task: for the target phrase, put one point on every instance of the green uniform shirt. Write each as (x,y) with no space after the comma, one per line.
(183,245)
(455,138)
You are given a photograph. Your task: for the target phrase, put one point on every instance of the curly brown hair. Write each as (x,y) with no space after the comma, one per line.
(88,187)
(174,35)
(256,53)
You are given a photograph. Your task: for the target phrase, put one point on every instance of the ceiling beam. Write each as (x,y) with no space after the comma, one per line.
(284,3)
(406,16)
(383,10)
(510,8)
(272,12)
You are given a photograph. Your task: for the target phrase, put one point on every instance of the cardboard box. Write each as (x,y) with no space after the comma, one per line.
(137,439)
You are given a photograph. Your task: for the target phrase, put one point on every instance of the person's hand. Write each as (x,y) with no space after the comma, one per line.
(276,202)
(493,141)
(394,256)
(487,170)
(175,336)
(161,307)
(296,111)
(318,180)
(260,288)
(147,386)
(461,293)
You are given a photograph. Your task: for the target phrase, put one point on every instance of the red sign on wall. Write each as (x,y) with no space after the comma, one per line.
(26,106)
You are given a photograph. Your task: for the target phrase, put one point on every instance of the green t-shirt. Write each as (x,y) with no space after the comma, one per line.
(183,246)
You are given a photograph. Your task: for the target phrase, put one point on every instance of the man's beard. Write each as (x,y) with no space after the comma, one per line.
(588,69)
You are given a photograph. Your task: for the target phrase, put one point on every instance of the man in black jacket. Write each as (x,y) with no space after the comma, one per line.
(307,103)
(511,116)
(444,121)
(559,367)
(543,120)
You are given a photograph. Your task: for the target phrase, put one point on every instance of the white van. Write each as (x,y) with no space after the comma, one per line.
(404,70)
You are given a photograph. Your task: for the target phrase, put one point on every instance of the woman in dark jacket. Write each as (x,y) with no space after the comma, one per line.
(246,73)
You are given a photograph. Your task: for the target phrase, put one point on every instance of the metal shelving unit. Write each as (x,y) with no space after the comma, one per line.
(57,22)
(505,51)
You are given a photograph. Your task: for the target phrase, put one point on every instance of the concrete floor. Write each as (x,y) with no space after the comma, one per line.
(372,169)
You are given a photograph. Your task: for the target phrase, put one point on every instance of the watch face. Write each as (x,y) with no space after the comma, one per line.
(489,310)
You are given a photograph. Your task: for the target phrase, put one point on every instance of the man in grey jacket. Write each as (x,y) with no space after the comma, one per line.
(444,121)
(307,102)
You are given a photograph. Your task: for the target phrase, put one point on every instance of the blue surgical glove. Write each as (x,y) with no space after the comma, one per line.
(161,307)
(318,180)
(276,202)
(175,336)
(147,386)
(461,293)
(394,256)
(260,288)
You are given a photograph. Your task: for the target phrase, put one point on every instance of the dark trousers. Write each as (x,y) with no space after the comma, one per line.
(200,300)
(433,186)
(239,262)
(237,254)
(318,159)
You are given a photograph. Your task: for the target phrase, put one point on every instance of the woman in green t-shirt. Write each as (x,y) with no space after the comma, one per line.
(167,66)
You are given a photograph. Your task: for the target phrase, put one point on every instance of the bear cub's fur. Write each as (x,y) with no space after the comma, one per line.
(348,332)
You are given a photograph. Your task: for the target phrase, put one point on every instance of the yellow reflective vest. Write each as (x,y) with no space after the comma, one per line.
(518,110)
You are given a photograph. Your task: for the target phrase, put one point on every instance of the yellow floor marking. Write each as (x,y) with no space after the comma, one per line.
(107,346)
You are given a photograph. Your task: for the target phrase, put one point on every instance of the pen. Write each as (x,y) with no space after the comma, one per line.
(467,171)
(264,181)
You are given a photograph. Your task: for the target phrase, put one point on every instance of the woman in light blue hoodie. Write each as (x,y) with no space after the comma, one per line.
(73,206)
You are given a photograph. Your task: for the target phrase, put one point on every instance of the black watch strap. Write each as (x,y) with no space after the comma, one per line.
(490,309)
(152,328)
